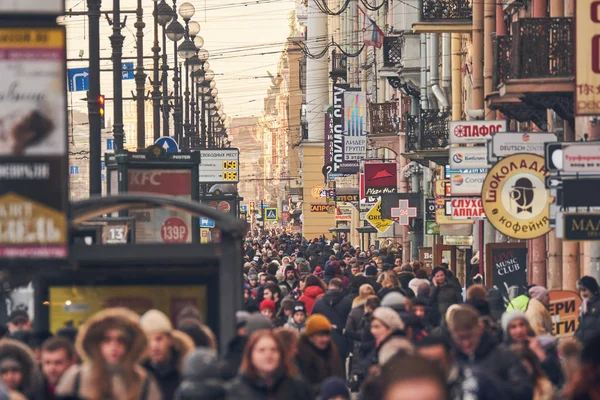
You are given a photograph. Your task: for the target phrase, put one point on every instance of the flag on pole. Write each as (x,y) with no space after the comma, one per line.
(372,34)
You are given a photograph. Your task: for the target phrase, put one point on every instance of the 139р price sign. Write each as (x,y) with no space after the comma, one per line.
(219,166)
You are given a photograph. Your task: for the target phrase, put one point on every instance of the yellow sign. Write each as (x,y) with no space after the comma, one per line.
(374,218)
(587,58)
(78,303)
(318,192)
(515,198)
(564,309)
(28,38)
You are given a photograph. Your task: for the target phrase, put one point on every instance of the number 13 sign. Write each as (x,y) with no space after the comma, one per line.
(587,57)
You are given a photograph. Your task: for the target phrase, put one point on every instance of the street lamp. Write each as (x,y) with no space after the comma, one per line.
(164,15)
(175,32)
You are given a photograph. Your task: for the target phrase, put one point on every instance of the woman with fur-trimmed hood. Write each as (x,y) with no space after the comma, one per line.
(167,349)
(111,344)
(19,371)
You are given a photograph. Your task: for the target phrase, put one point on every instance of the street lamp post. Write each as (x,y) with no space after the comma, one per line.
(116,41)
(156,77)
(140,78)
(175,32)
(164,14)
(93,95)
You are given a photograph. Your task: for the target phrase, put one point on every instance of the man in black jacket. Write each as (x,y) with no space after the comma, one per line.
(477,348)
(589,317)
(336,307)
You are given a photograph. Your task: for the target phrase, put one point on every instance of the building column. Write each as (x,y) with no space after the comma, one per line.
(554,273)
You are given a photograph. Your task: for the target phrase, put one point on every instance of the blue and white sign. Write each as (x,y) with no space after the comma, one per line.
(207,223)
(128,71)
(79,79)
(168,143)
(110,144)
(271,214)
(244,208)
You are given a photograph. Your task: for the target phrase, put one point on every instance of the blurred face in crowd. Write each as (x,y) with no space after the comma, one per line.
(379,262)
(263,278)
(299,318)
(253,282)
(398,262)
(280,253)
(268,295)
(12,376)
(436,354)
(320,340)
(467,340)
(439,278)
(518,330)
(160,347)
(585,293)
(302,285)
(19,324)
(267,312)
(290,275)
(54,365)
(265,356)
(355,269)
(379,331)
(419,311)
(113,346)
(419,388)
(347,260)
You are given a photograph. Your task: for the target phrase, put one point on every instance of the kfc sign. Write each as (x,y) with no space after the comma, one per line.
(461,132)
(173,182)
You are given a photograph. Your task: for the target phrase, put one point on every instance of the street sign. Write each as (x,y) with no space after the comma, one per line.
(461,132)
(468,157)
(581,226)
(564,310)
(508,143)
(128,71)
(78,79)
(450,171)
(174,230)
(573,157)
(168,143)
(271,214)
(466,184)
(207,223)
(219,166)
(375,219)
(244,208)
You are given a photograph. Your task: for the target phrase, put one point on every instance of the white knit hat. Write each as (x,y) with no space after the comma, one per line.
(389,318)
(155,321)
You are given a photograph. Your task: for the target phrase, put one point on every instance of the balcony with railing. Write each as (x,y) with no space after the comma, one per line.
(427,131)
(392,51)
(444,16)
(534,69)
(384,118)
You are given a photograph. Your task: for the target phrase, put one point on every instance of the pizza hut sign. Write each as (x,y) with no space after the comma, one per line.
(461,132)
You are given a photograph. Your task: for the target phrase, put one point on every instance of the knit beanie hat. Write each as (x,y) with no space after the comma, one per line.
(299,307)
(154,321)
(538,292)
(287,303)
(256,322)
(334,387)
(267,305)
(303,268)
(317,323)
(509,317)
(389,318)
(289,267)
(318,272)
(371,270)
(589,283)
(394,300)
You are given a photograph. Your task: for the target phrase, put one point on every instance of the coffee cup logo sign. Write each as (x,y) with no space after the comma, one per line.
(515,198)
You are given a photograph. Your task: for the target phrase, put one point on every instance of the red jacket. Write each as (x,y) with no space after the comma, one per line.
(310,295)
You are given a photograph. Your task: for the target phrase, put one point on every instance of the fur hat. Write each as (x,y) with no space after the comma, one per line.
(257,322)
(389,318)
(287,303)
(317,323)
(154,321)
(509,317)
(267,305)
(589,283)
(289,267)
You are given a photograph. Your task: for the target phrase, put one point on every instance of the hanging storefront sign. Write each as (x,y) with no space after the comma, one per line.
(343,213)
(587,58)
(466,184)
(442,188)
(461,132)
(581,226)
(34,170)
(380,178)
(426,257)
(374,218)
(430,208)
(584,157)
(346,198)
(468,157)
(515,198)
(564,309)
(506,265)
(355,127)
(442,219)
(319,208)
(458,240)
(431,228)
(328,136)
(508,143)
(389,202)
(466,208)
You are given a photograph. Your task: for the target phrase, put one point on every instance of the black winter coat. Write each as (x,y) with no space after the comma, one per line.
(445,296)
(336,308)
(405,277)
(281,388)
(233,358)
(167,378)
(502,364)
(316,365)
(589,323)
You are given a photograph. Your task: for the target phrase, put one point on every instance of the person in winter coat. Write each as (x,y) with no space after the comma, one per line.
(334,388)
(290,279)
(405,275)
(354,322)
(589,313)
(58,355)
(420,277)
(390,284)
(111,344)
(318,357)
(336,307)
(477,348)
(201,378)
(371,274)
(387,329)
(445,292)
(167,349)
(18,369)
(585,384)
(517,329)
(313,290)
(537,311)
(297,321)
(542,387)
(265,373)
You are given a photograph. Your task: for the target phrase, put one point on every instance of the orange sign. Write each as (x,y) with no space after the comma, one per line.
(564,308)
(587,57)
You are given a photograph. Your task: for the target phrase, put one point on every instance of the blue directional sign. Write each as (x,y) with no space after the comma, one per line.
(168,143)
(271,214)
(78,79)
(207,223)
(243,208)
(128,71)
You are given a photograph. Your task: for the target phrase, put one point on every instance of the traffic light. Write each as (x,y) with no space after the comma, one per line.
(101,103)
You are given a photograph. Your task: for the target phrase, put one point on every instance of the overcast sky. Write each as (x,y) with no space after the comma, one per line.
(244,40)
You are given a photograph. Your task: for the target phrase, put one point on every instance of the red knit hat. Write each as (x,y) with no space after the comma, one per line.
(267,304)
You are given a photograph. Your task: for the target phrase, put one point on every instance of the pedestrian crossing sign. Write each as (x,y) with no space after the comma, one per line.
(271,214)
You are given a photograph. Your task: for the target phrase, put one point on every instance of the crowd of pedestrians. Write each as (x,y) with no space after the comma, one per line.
(321,320)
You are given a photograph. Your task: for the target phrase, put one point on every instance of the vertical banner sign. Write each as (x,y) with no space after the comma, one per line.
(507,265)
(33,142)
(587,57)
(564,309)
(328,137)
(338,127)
(355,128)
(161,225)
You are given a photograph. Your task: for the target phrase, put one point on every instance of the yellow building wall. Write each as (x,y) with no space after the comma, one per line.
(315,223)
